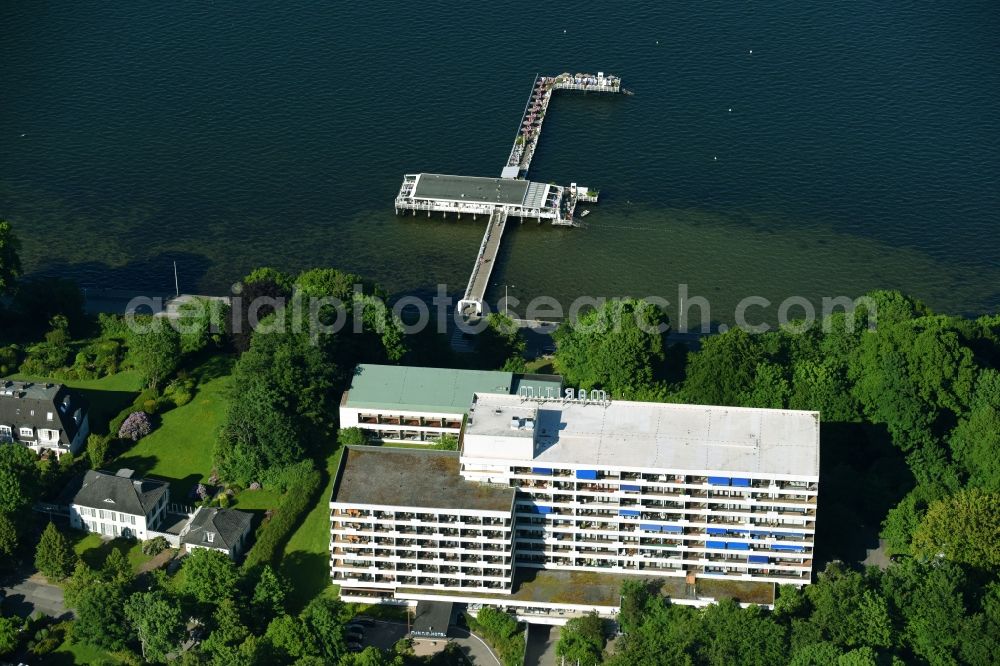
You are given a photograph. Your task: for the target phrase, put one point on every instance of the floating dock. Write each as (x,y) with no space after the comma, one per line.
(510,195)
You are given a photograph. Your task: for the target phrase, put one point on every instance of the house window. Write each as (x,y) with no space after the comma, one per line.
(48,416)
(133,519)
(100,514)
(210,537)
(5,432)
(27,432)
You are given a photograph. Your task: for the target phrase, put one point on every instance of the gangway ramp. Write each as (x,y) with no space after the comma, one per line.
(475,291)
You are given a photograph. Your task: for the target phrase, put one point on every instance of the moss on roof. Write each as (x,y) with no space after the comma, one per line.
(427,479)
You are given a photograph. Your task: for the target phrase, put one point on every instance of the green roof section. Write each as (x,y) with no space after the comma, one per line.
(422,389)
(470,188)
(436,390)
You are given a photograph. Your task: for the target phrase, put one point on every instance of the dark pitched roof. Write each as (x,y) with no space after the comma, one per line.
(29,404)
(228,526)
(116,492)
(432,618)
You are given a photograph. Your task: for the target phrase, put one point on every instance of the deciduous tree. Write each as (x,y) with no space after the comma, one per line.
(581,640)
(157,621)
(964,528)
(154,350)
(210,576)
(615,347)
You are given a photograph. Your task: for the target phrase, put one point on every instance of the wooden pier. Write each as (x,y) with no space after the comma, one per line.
(510,195)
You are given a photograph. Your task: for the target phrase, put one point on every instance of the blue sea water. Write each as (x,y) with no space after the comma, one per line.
(772,148)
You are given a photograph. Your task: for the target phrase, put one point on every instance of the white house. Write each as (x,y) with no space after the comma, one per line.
(217,529)
(117,505)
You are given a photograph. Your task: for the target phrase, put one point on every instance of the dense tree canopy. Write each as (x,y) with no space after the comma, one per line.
(156,618)
(295,366)
(911,613)
(10,260)
(614,347)
(209,575)
(18,481)
(581,640)
(154,350)
(964,527)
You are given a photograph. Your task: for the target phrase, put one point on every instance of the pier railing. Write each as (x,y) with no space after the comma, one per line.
(530,129)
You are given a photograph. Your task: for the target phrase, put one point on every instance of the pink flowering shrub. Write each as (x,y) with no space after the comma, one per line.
(136,426)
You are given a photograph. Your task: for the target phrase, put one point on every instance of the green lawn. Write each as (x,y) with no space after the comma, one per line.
(540,365)
(94,550)
(180,447)
(306,560)
(79,653)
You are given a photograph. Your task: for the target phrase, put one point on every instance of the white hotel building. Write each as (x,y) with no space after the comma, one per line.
(716,501)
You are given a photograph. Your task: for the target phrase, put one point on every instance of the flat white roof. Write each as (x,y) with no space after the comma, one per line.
(656,436)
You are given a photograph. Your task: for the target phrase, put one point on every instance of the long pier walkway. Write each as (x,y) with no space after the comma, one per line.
(475,291)
(511,194)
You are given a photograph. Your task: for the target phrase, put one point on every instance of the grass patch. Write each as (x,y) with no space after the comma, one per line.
(388,612)
(256,500)
(180,448)
(540,366)
(94,550)
(306,560)
(79,653)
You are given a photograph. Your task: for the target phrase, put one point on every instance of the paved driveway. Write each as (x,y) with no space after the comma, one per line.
(541,648)
(384,634)
(34,594)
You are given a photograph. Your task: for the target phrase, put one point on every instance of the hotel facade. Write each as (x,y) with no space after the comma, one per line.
(716,501)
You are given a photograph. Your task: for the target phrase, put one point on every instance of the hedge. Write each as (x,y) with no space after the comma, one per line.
(273,534)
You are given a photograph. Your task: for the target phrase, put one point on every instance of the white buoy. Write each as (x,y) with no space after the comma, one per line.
(751,51)
(564,32)
(716,157)
(730,109)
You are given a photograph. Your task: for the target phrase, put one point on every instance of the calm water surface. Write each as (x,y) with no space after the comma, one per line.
(857,146)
